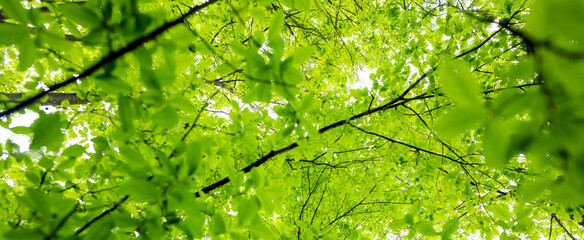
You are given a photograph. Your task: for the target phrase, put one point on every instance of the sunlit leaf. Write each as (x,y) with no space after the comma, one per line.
(81,14)
(15,10)
(426,228)
(47,132)
(449,228)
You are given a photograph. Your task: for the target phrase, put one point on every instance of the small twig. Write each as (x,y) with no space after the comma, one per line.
(197,118)
(561,225)
(551,224)
(62,223)
(105,213)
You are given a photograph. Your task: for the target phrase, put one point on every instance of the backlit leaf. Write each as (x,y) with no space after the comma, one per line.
(449,228)
(81,14)
(15,10)
(47,132)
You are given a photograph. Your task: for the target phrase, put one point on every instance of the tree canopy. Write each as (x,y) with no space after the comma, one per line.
(292,119)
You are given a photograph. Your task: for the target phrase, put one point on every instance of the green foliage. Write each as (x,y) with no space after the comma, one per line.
(291,119)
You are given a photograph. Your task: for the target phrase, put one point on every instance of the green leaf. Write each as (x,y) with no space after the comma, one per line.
(217,225)
(302,54)
(457,120)
(14,9)
(125,113)
(204,48)
(261,229)
(113,85)
(12,33)
(194,157)
(74,151)
(100,144)
(248,209)
(274,39)
(32,174)
(557,20)
(27,53)
(500,212)
(46,163)
(529,191)
(303,5)
(166,117)
(81,14)
(496,144)
(47,132)
(257,178)
(459,84)
(23,233)
(226,67)
(141,190)
(409,219)
(449,228)
(21,130)
(426,228)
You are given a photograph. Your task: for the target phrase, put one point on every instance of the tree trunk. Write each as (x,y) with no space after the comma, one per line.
(55,99)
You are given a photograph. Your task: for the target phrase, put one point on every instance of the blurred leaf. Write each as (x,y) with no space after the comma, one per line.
(217,225)
(496,145)
(21,130)
(166,118)
(459,84)
(125,113)
(302,54)
(47,132)
(81,14)
(449,228)
(457,120)
(140,190)
(27,53)
(426,228)
(247,210)
(558,20)
(113,85)
(12,33)
(409,219)
(15,10)
(74,151)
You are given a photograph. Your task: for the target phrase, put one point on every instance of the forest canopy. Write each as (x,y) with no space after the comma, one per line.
(291,119)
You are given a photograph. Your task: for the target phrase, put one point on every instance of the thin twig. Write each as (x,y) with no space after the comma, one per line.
(562,225)
(105,213)
(62,223)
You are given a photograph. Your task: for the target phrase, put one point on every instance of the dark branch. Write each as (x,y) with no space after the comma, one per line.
(105,213)
(108,59)
(61,223)
(562,225)
(411,146)
(400,100)
(54,99)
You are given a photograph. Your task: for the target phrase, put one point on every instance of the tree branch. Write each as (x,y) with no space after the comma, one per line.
(108,59)
(412,147)
(562,225)
(105,213)
(400,100)
(61,223)
(54,99)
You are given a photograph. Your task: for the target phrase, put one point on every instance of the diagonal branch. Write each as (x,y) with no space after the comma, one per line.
(400,100)
(105,213)
(411,146)
(562,225)
(352,208)
(62,223)
(108,59)
(54,99)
